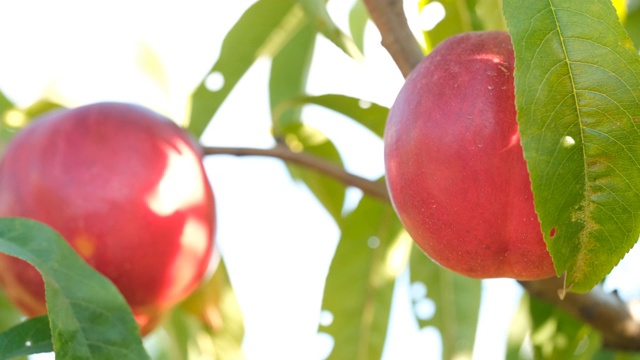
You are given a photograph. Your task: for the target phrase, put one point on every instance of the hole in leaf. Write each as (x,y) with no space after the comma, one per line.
(552,233)
(431,15)
(326,318)
(364,104)
(373,242)
(567,141)
(424,309)
(324,345)
(418,290)
(214,81)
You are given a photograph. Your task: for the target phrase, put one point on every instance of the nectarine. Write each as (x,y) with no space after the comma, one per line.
(126,188)
(454,164)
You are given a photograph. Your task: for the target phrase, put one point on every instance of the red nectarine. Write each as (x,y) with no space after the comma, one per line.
(455,167)
(126,188)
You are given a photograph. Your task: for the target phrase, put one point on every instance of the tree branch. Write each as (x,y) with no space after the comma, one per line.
(605,312)
(397,38)
(369,187)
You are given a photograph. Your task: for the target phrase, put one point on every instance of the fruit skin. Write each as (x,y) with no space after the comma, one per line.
(126,188)
(455,167)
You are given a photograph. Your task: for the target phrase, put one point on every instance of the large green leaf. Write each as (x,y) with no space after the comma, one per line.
(258,31)
(370,115)
(370,255)
(32,336)
(89,318)
(577,91)
(457,303)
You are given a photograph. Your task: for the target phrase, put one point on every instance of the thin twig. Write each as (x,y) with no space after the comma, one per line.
(397,38)
(372,188)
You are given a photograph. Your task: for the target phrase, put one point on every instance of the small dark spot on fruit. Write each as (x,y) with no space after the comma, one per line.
(552,233)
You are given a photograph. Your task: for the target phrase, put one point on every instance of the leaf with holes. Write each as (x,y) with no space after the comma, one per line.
(259,30)
(577,94)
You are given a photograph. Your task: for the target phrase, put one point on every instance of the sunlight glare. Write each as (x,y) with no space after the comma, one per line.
(180,185)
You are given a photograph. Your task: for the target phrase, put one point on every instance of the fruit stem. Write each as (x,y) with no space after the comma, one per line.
(372,188)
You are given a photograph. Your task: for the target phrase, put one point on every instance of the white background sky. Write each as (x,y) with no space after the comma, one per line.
(276,239)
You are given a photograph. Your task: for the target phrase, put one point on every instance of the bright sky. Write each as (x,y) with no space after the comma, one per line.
(276,239)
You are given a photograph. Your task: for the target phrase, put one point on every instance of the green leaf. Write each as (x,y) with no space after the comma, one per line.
(316,11)
(459,18)
(32,336)
(632,23)
(289,73)
(554,334)
(5,104)
(577,90)
(6,132)
(89,318)
(489,14)
(219,319)
(370,115)
(370,255)
(518,330)
(258,31)
(13,119)
(358,18)
(457,301)
(329,191)
(9,314)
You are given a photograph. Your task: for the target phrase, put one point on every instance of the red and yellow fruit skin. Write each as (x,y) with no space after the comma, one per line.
(455,167)
(126,188)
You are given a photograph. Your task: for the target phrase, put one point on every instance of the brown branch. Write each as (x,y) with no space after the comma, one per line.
(397,38)
(605,312)
(369,187)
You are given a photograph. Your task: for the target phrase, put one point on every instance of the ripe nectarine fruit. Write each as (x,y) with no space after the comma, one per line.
(126,188)
(454,164)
